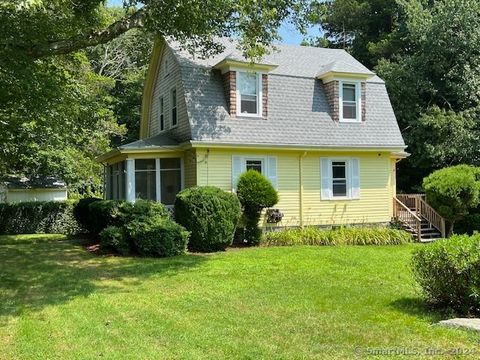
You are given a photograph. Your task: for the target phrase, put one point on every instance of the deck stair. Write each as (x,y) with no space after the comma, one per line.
(417,217)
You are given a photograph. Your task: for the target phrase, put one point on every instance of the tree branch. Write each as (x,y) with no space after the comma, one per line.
(65,46)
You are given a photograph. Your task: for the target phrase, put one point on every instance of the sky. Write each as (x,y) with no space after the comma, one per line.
(287,31)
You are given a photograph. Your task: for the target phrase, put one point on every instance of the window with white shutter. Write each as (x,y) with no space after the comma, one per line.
(340,179)
(266,165)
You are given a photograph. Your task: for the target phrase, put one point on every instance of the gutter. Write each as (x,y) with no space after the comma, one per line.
(394,149)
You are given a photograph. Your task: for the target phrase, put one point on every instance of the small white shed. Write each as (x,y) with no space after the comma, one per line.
(21,189)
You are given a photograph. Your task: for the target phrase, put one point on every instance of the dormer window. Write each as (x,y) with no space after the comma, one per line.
(248,94)
(350,102)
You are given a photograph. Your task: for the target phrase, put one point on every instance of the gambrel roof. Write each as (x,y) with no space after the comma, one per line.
(298,111)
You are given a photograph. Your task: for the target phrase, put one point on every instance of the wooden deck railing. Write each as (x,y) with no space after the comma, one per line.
(417,202)
(407,216)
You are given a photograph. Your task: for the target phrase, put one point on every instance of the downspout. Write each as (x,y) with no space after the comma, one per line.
(300,177)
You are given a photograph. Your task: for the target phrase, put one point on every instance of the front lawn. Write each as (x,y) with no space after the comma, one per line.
(59,301)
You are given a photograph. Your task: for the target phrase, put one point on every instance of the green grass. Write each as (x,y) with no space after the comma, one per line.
(58,301)
(30,238)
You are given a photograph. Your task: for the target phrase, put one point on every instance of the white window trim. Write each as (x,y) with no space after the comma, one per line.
(174,106)
(349,176)
(259,96)
(161,105)
(157,170)
(358,95)
(262,159)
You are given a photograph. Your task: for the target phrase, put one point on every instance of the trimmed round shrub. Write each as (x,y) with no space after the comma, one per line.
(255,193)
(82,211)
(453,191)
(210,214)
(141,208)
(114,238)
(448,272)
(157,236)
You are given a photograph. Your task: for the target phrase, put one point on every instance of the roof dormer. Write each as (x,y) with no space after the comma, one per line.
(345,89)
(246,86)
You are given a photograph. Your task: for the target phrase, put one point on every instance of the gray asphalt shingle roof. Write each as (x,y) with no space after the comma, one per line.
(298,111)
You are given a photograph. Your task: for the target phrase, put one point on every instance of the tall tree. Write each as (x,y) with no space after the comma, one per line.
(368,29)
(57,109)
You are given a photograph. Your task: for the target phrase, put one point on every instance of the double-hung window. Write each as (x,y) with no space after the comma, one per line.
(254,164)
(350,102)
(248,94)
(340,178)
(174,107)
(162,114)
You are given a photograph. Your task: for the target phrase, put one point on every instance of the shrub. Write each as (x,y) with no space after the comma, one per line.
(453,191)
(106,213)
(341,236)
(157,236)
(102,214)
(210,214)
(114,238)
(255,193)
(51,217)
(82,211)
(448,272)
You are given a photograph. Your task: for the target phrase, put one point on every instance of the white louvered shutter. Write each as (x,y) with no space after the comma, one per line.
(237,169)
(326,176)
(355,182)
(272,171)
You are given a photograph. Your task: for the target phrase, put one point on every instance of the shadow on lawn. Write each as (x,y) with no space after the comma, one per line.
(37,275)
(419,308)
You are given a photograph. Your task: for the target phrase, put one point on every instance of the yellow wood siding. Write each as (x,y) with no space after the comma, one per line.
(190,168)
(214,167)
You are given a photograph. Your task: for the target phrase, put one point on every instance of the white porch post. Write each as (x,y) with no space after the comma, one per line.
(130,183)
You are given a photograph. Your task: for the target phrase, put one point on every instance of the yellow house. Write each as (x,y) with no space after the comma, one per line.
(315,121)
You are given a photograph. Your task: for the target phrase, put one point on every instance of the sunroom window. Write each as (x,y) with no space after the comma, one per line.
(248,90)
(145,184)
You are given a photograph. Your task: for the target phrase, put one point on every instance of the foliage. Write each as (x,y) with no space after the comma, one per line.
(341,236)
(38,217)
(255,193)
(114,238)
(105,213)
(157,236)
(434,84)
(369,29)
(453,191)
(449,273)
(470,224)
(210,214)
(81,211)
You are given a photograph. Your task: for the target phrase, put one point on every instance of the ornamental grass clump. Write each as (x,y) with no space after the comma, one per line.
(342,236)
(255,193)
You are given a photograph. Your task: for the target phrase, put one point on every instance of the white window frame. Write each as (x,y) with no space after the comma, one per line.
(174,106)
(158,170)
(259,95)
(349,178)
(358,99)
(262,160)
(161,120)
